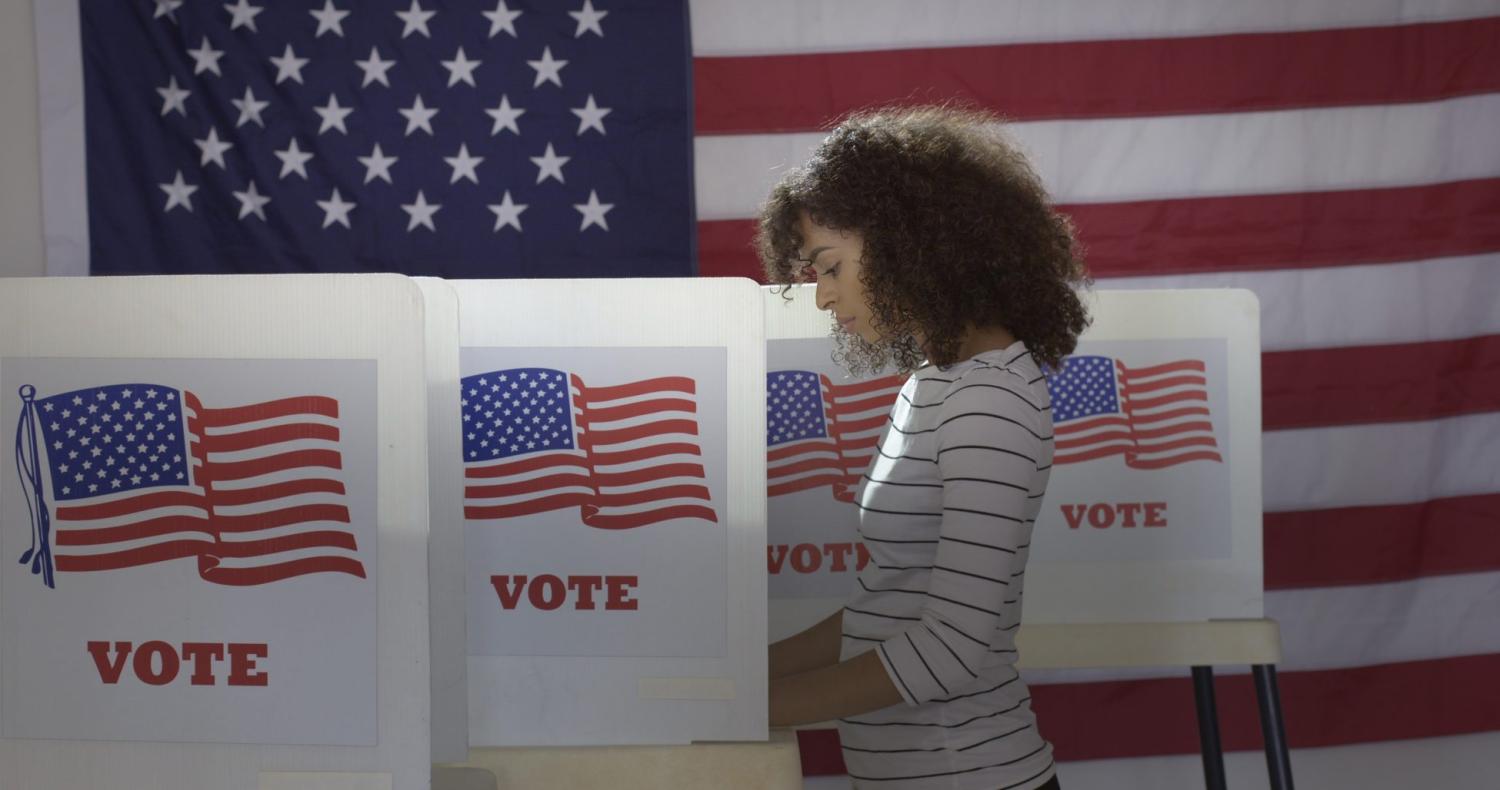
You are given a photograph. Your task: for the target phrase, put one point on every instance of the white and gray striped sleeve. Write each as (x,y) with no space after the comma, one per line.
(989,436)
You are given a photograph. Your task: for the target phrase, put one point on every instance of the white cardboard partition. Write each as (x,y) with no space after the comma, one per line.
(614,510)
(445,544)
(1159,525)
(246,600)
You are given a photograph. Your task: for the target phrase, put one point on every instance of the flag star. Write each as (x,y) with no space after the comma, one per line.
(375,68)
(418,116)
(505,116)
(172,98)
(549,164)
(591,116)
(168,9)
(335,209)
(507,212)
(502,18)
(293,159)
(547,69)
(377,165)
(179,193)
(420,212)
(593,211)
(463,165)
(206,58)
(251,202)
(244,15)
(333,115)
(212,148)
(329,19)
(460,69)
(289,66)
(416,20)
(249,109)
(588,19)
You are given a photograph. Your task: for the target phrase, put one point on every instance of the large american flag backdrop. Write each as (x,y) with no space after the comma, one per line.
(1337,159)
(1328,157)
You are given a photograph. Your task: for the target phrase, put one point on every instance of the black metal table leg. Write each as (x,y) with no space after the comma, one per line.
(1208,728)
(1278,761)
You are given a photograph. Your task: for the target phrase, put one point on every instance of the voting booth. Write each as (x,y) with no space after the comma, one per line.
(213,533)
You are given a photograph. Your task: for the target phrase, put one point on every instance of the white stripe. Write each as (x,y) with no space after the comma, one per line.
(1362,625)
(734,27)
(1387,463)
(1415,302)
(1096,161)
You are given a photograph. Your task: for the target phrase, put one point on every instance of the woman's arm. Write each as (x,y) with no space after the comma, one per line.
(811,649)
(842,689)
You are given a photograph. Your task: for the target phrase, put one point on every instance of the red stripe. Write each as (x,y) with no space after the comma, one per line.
(810,465)
(629,498)
(145,555)
(1151,403)
(265,493)
(802,484)
(1089,455)
(1300,230)
(524,465)
(594,438)
(1366,384)
(265,574)
(800,448)
(647,474)
(633,520)
(867,387)
(636,388)
(1379,544)
(297,459)
(98,536)
(1177,381)
(526,508)
(526,486)
(127,505)
(261,437)
(640,408)
(286,407)
(1106,79)
(280,518)
(1192,365)
(644,453)
(1173,460)
(1139,718)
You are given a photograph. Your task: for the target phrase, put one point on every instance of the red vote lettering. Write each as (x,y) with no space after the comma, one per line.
(1104,515)
(809,557)
(548,592)
(158,663)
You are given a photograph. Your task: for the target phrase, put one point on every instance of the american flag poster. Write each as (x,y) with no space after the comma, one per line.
(821,431)
(195,536)
(594,500)
(494,139)
(1141,440)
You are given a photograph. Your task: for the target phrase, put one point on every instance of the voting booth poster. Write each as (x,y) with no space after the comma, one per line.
(594,493)
(189,550)
(1150,513)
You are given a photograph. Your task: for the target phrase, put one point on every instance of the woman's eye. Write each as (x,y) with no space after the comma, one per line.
(833,270)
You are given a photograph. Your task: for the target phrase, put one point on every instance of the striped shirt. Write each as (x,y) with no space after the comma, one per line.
(946,511)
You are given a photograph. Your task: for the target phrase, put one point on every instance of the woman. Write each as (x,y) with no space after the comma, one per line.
(933,246)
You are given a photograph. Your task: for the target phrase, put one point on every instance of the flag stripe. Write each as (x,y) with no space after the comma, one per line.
(229,497)
(296,459)
(127,505)
(1106,79)
(526,486)
(524,465)
(265,574)
(635,388)
(1239,233)
(270,410)
(150,528)
(260,437)
(593,437)
(1101,720)
(633,520)
(530,506)
(1381,543)
(177,549)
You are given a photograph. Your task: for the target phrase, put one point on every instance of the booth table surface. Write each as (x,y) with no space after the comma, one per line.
(773,765)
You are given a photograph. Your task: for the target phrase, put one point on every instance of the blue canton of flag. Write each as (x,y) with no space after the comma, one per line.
(113,439)
(794,407)
(445,139)
(1084,387)
(514,412)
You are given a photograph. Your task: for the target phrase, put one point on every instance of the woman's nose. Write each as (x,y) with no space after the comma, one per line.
(824,295)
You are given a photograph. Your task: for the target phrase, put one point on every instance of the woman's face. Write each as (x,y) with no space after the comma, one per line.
(833,257)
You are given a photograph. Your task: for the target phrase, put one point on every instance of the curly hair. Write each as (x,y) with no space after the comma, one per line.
(958,232)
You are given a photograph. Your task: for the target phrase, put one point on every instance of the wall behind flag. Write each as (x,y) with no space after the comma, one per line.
(20,158)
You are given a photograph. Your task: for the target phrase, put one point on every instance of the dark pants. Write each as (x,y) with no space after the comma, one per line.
(1051,784)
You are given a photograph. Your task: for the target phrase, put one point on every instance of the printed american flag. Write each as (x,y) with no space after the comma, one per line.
(1154,416)
(454,139)
(144,473)
(626,455)
(822,434)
